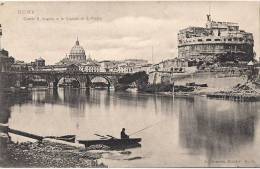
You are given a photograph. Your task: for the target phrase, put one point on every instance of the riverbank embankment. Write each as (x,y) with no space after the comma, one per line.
(246,91)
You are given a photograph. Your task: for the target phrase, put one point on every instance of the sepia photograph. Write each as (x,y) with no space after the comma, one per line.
(129,84)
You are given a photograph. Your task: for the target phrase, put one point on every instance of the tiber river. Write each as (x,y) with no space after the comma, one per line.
(187,131)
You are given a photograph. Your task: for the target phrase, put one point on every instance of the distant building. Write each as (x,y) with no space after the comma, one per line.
(109,65)
(77,53)
(106,65)
(5,61)
(173,65)
(19,66)
(89,66)
(218,39)
(69,68)
(146,68)
(125,68)
(40,62)
(137,62)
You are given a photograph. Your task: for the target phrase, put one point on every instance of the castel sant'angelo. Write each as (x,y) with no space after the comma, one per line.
(216,39)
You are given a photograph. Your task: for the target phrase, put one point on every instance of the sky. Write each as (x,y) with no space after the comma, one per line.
(113,30)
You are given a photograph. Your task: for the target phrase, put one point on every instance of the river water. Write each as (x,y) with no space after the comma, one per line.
(187,131)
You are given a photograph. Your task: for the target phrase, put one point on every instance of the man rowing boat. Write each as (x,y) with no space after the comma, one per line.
(123,134)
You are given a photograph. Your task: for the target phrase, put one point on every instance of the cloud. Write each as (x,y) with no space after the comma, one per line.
(127,30)
(120,38)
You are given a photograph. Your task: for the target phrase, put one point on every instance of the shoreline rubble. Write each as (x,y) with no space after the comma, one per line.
(49,154)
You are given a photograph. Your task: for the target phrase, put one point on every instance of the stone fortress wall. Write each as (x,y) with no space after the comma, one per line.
(215,38)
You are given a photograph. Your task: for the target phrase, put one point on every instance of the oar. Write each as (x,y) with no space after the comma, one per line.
(99,135)
(64,136)
(25,134)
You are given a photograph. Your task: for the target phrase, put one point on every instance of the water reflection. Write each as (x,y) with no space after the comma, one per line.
(217,127)
(206,129)
(79,98)
(8,99)
(4,108)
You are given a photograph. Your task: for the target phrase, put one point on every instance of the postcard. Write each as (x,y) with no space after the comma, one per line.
(129,84)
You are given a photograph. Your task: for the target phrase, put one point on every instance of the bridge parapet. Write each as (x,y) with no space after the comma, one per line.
(67,72)
(53,77)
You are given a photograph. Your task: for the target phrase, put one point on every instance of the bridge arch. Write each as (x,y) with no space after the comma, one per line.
(103,79)
(68,82)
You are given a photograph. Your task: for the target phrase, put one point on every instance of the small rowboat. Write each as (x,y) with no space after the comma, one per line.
(113,142)
(68,138)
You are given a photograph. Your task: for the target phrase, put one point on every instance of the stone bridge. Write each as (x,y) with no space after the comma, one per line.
(52,77)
